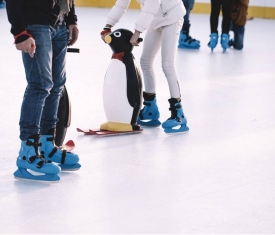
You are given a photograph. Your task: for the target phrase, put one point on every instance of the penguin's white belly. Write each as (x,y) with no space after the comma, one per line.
(115,101)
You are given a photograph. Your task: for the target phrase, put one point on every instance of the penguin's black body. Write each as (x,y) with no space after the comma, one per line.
(64,117)
(122,90)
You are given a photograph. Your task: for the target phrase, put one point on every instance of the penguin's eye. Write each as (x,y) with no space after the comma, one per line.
(117,34)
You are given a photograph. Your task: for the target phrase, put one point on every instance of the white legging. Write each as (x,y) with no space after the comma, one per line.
(165,38)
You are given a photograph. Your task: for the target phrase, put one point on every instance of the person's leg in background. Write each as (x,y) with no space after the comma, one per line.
(238,31)
(214,21)
(239,12)
(226,19)
(185,40)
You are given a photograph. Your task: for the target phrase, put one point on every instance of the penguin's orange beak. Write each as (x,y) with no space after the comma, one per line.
(108,39)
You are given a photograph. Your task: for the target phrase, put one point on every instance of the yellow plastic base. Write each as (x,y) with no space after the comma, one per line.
(116,126)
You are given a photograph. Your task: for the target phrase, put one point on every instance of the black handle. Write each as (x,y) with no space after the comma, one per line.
(74,50)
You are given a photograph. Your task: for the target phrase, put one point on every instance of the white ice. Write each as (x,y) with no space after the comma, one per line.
(218,178)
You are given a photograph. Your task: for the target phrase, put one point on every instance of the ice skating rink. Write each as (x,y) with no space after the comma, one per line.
(217,178)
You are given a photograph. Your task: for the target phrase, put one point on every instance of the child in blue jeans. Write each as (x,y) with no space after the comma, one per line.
(185,40)
(42,36)
(238,20)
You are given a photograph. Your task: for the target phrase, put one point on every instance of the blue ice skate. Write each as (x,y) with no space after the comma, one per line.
(30,159)
(2,4)
(186,41)
(68,161)
(225,41)
(149,115)
(213,41)
(177,122)
(231,43)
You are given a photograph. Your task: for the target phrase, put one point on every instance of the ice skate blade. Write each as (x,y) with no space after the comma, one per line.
(150,123)
(189,47)
(176,133)
(24,175)
(38,181)
(181,130)
(149,126)
(70,167)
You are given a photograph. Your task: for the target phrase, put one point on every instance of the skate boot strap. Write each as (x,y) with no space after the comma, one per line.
(33,158)
(140,113)
(189,39)
(34,144)
(40,163)
(50,139)
(173,110)
(146,103)
(64,152)
(175,117)
(63,155)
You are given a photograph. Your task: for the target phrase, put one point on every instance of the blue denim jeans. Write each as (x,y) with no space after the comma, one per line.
(46,76)
(238,36)
(188,4)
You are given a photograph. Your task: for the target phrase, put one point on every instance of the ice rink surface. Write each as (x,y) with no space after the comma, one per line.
(217,178)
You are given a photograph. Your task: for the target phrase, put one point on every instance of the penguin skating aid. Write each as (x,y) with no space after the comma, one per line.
(103,133)
(68,146)
(122,88)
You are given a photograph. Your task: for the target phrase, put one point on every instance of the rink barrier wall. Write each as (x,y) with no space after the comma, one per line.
(202,8)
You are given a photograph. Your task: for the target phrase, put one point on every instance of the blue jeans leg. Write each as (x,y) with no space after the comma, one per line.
(238,36)
(46,76)
(188,4)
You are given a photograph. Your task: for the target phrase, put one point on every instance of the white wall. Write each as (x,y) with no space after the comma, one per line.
(270,3)
(259,3)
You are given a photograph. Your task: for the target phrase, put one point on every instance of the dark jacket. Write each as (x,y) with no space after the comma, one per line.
(239,10)
(44,12)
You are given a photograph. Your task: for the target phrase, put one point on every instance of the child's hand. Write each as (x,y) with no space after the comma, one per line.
(135,39)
